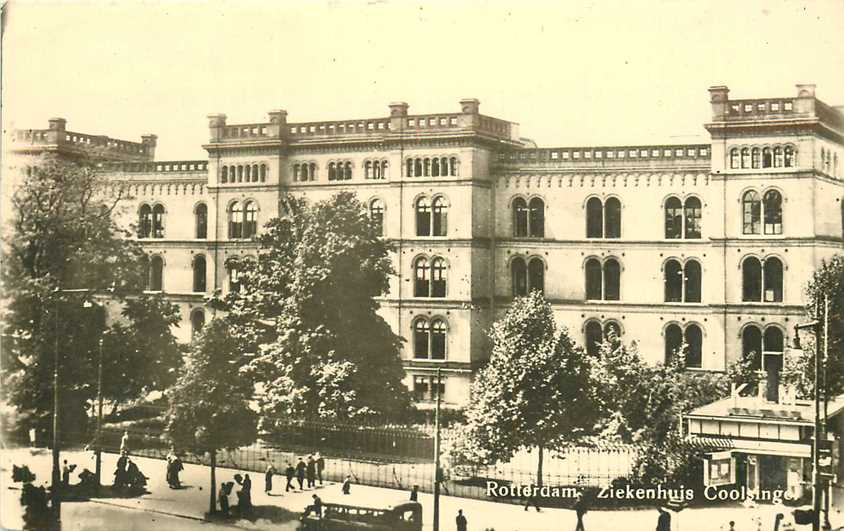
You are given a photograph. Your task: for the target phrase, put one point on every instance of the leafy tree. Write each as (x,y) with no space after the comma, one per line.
(533,392)
(209,403)
(827,283)
(307,316)
(63,237)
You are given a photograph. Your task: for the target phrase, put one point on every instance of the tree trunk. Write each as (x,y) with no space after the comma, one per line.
(213,508)
(539,468)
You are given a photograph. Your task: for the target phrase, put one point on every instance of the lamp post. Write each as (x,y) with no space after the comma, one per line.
(99,463)
(817,480)
(437,455)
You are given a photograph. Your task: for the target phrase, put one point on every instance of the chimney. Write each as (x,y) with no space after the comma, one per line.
(278,123)
(216,125)
(719,98)
(470,109)
(149,141)
(805,101)
(57,124)
(398,115)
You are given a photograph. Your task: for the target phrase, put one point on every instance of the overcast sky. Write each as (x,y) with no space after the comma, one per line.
(571,73)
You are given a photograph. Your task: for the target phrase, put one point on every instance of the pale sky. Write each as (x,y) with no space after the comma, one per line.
(570,73)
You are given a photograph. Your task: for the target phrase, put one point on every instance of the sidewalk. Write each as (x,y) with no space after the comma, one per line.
(192,501)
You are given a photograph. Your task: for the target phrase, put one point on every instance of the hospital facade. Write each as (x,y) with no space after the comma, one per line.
(708,244)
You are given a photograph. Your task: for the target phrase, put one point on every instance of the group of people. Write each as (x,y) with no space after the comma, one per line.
(174,466)
(128,475)
(310,472)
(243,494)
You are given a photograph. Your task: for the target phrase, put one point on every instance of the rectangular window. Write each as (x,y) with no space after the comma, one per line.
(555,155)
(748,107)
(576,154)
(621,154)
(787,106)
(599,154)
(453,120)
(565,155)
(587,154)
(690,152)
(421,388)
(775,107)
(760,107)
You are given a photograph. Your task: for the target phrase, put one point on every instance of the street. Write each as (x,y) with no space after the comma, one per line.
(183,509)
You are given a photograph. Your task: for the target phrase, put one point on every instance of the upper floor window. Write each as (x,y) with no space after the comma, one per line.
(201,214)
(429,339)
(145,221)
(596,334)
(603,219)
(753,209)
(764,350)
(339,171)
(375,169)
(751,212)
(682,282)
(234,277)
(527,276)
(766,157)
(236,221)
(691,337)
(250,219)
(432,167)
(603,280)
(156,274)
(762,279)
(423,216)
(376,214)
(683,220)
(431,216)
(199,285)
(430,277)
(244,173)
(304,171)
(158,221)
(440,216)
(772,206)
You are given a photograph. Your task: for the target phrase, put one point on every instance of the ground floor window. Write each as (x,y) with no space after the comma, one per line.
(425,388)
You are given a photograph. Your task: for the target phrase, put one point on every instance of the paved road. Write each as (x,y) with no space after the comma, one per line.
(281,508)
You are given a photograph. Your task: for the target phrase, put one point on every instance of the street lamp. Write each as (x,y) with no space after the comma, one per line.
(817,480)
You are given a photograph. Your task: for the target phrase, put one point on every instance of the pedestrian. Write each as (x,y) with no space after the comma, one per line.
(663,523)
(268,478)
(66,470)
(460,521)
(246,498)
(580,509)
(223,495)
(414,493)
(177,467)
(320,466)
(120,471)
(289,472)
(531,500)
(300,473)
(347,485)
(124,442)
(311,470)
(315,507)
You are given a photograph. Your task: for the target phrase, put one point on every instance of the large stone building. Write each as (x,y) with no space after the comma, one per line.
(707,244)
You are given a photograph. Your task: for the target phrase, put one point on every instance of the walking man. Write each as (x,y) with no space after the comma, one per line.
(289,472)
(311,469)
(320,466)
(414,493)
(580,509)
(268,478)
(347,485)
(124,442)
(461,521)
(300,473)
(663,523)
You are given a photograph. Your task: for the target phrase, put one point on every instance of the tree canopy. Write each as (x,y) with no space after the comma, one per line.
(63,236)
(307,314)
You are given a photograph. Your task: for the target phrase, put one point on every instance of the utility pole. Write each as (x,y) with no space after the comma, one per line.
(816,476)
(99,414)
(437,455)
(55,484)
(826,492)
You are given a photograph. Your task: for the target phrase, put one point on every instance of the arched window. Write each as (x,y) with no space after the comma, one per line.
(201,214)
(772,349)
(197,322)
(255,175)
(423,217)
(673,279)
(778,157)
(298,172)
(745,158)
(158,221)
(520,218)
(240,174)
(789,157)
(435,167)
(751,280)
(417,168)
(752,213)
(536,275)
(145,221)
(692,215)
(250,219)
(156,280)
(332,171)
(692,281)
(263,173)
(772,281)
(593,337)
(438,277)
(444,166)
(199,274)
(312,171)
(409,168)
(376,214)
(593,279)
(247,173)
(772,205)
(438,334)
(347,174)
(673,342)
(673,218)
(146,272)
(612,332)
(694,343)
(594,218)
(518,272)
(427,169)
(454,167)
(612,218)
(734,158)
(235,221)
(751,345)
(385,169)
(612,280)
(440,208)
(767,158)
(756,158)
(367,170)
(421,339)
(536,221)
(224,177)
(422,284)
